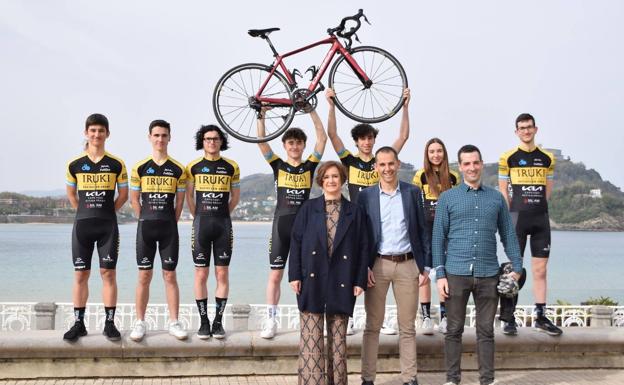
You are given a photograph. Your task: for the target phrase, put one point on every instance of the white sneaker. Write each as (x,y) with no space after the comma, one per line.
(442,325)
(269,329)
(138,331)
(427,326)
(350,330)
(386,329)
(175,329)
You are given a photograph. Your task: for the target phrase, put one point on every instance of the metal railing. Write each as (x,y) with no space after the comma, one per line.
(18,316)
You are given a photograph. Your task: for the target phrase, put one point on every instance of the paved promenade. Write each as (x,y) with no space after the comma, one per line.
(525,377)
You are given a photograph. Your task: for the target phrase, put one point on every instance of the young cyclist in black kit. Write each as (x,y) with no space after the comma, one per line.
(213,191)
(91,180)
(361,166)
(526,173)
(157,185)
(293,182)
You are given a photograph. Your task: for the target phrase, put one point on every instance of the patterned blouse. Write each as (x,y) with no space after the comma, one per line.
(332,213)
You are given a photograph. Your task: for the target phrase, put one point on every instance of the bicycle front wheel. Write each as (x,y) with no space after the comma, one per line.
(374,104)
(234,102)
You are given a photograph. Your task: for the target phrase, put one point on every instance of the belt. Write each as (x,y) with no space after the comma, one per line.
(398,257)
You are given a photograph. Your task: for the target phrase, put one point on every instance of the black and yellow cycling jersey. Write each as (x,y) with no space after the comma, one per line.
(214,181)
(292,183)
(527,173)
(96,184)
(430,201)
(158,185)
(360,173)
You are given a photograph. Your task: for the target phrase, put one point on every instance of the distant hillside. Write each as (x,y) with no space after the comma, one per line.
(571,206)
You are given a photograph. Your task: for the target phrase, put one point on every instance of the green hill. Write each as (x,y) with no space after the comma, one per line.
(571,206)
(575,203)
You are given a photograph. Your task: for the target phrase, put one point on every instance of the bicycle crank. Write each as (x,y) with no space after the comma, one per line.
(304,100)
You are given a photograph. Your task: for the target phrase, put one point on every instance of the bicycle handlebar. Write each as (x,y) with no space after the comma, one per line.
(340,29)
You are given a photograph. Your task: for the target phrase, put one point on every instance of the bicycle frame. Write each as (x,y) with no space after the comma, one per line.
(336,47)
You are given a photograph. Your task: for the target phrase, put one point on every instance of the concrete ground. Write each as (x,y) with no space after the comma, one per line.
(507,377)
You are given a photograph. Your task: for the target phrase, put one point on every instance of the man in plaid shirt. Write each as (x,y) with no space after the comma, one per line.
(464,254)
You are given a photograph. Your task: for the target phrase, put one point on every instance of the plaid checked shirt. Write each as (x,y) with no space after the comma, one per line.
(464,232)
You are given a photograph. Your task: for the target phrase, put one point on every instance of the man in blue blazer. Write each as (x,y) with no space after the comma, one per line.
(399,255)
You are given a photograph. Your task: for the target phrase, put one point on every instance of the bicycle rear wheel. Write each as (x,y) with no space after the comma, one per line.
(374,104)
(235,93)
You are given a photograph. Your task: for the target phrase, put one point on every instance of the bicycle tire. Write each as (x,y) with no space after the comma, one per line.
(231,105)
(389,80)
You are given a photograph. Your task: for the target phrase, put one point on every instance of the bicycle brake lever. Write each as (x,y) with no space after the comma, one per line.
(356,38)
(366,20)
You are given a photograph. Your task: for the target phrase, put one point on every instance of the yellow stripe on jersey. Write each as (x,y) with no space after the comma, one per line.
(528,175)
(122,178)
(99,181)
(417,178)
(207,182)
(158,184)
(298,181)
(362,178)
(236,176)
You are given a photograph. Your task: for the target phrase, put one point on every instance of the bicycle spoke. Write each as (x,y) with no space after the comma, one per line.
(385,92)
(239,108)
(349,89)
(351,84)
(386,79)
(235,91)
(379,104)
(370,93)
(377,70)
(349,75)
(243,82)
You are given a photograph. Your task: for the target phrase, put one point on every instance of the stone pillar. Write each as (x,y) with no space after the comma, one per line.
(240,317)
(44,315)
(601,316)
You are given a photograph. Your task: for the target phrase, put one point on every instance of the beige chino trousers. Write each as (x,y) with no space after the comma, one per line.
(404,279)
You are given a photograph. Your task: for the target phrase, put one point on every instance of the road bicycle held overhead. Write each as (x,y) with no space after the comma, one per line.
(368,82)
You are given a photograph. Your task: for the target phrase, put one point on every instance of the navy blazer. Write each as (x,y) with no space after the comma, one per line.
(414,216)
(327,281)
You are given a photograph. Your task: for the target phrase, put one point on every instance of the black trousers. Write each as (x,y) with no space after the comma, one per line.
(485,297)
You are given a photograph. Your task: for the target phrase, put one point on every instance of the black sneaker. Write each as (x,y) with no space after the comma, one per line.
(204,331)
(509,328)
(75,332)
(217,330)
(111,332)
(543,324)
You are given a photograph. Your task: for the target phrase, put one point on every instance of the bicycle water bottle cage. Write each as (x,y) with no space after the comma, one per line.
(295,72)
(263,33)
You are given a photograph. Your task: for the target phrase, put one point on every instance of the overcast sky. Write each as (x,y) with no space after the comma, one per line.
(472,67)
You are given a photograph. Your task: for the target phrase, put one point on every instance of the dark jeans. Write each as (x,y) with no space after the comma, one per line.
(508,305)
(485,296)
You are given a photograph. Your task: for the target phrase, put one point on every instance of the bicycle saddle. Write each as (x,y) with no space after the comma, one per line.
(263,33)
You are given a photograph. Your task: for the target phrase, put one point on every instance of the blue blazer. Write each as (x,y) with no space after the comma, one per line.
(327,281)
(414,216)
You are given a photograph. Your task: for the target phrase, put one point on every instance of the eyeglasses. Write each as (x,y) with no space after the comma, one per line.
(528,128)
(212,139)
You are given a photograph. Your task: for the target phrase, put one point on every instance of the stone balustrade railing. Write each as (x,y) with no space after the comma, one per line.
(49,316)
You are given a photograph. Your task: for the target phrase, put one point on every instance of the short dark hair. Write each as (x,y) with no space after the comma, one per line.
(96,120)
(160,123)
(322,169)
(294,133)
(466,149)
(363,130)
(524,117)
(387,149)
(199,136)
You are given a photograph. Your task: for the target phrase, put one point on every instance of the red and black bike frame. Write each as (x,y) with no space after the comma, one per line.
(336,47)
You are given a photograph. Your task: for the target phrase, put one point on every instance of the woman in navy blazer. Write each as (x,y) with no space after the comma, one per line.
(327,270)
